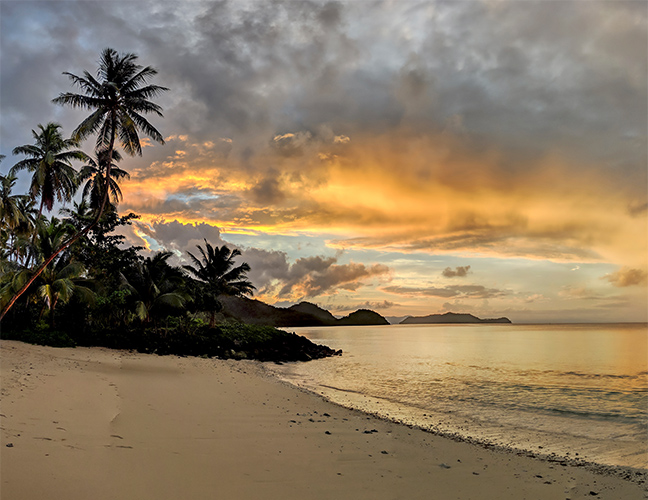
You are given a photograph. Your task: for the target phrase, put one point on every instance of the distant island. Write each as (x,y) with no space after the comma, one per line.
(256,312)
(450,317)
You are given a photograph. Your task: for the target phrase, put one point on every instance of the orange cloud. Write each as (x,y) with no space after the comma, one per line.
(402,190)
(627,276)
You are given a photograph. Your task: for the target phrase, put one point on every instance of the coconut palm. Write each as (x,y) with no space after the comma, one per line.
(219,275)
(118,99)
(49,160)
(92,173)
(59,281)
(154,286)
(17,220)
(11,215)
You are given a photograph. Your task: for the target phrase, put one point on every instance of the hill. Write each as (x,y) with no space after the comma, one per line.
(255,312)
(314,310)
(363,317)
(449,317)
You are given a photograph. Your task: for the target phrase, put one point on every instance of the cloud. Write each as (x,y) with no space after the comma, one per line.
(267,191)
(580,292)
(369,304)
(627,276)
(458,291)
(177,237)
(382,127)
(314,276)
(290,144)
(637,209)
(459,271)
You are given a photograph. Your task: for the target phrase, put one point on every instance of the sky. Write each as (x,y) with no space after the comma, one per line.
(411,157)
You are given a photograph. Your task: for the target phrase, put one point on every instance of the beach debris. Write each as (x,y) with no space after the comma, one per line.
(9,445)
(327,432)
(444,466)
(370,432)
(593,493)
(384,452)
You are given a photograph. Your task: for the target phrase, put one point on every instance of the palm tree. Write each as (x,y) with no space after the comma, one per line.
(49,159)
(93,175)
(17,220)
(154,285)
(59,281)
(219,275)
(117,101)
(118,98)
(11,214)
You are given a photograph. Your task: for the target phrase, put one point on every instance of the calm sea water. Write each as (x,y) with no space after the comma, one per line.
(579,391)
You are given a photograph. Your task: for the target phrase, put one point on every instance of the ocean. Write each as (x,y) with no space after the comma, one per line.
(576,391)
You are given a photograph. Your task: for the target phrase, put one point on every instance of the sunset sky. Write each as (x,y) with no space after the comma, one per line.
(411,157)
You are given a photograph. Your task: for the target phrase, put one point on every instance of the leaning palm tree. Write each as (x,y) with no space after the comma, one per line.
(219,275)
(49,160)
(93,174)
(118,98)
(61,279)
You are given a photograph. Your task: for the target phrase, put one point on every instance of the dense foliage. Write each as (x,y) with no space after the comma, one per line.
(72,280)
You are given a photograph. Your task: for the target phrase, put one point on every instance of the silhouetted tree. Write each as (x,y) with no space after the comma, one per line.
(118,98)
(219,276)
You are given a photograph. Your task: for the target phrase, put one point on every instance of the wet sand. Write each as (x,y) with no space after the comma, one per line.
(95,423)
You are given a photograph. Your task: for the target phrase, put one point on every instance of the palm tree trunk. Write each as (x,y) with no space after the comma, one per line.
(33,240)
(76,236)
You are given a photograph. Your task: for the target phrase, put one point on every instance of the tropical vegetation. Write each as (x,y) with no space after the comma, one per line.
(69,279)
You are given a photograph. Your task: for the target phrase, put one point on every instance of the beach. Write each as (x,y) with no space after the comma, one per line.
(98,423)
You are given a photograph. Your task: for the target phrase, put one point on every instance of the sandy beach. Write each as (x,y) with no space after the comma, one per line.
(95,423)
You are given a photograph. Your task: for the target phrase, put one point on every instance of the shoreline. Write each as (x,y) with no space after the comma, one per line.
(636,475)
(92,422)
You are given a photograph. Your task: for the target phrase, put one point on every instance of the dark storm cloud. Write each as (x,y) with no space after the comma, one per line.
(525,75)
(278,91)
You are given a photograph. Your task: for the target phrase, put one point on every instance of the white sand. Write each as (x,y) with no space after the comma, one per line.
(100,424)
